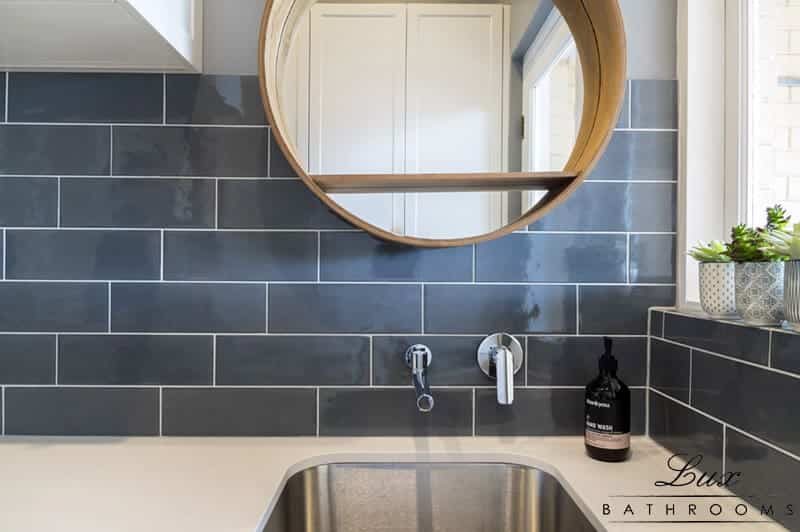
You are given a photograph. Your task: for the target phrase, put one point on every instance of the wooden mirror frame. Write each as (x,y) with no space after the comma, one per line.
(599,34)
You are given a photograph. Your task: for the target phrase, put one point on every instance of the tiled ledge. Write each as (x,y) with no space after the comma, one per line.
(770,347)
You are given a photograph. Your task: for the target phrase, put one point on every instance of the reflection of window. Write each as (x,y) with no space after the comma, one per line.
(552,99)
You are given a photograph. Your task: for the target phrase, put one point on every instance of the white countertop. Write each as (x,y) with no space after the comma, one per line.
(227,484)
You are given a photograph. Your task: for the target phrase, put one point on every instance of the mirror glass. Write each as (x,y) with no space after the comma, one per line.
(455,87)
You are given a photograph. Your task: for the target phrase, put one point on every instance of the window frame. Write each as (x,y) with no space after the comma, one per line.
(714,47)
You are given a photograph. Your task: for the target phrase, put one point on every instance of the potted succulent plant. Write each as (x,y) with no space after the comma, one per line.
(759,270)
(787,245)
(717,294)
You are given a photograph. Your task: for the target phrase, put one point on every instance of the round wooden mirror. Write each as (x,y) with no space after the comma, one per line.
(442,124)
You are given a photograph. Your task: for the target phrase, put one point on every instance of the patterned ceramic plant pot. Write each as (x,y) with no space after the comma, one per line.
(791,294)
(717,289)
(759,292)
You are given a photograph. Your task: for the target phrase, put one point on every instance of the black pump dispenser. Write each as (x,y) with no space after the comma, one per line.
(608,412)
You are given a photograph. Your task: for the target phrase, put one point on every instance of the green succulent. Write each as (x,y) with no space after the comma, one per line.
(752,245)
(784,243)
(714,251)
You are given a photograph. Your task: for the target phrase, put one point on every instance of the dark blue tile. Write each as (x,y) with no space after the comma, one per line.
(553,258)
(639,155)
(134,360)
(55,150)
(246,256)
(83,255)
(279,204)
(620,309)
(345,308)
(786,351)
(293,360)
(28,201)
(81,411)
(239,412)
(767,478)
(646,207)
(454,362)
(572,360)
(747,343)
(624,119)
(188,308)
(85,97)
(111,202)
(542,412)
(670,369)
(483,309)
(684,431)
(209,99)
(27,359)
(278,164)
(190,151)
(360,257)
(393,412)
(53,307)
(759,401)
(654,104)
(652,259)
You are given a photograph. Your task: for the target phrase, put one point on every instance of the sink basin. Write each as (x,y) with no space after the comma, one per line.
(425,497)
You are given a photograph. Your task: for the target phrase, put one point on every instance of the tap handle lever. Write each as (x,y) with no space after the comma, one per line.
(418,358)
(504,368)
(500,357)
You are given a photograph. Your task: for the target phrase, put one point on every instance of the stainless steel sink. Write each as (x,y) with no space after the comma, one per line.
(425,497)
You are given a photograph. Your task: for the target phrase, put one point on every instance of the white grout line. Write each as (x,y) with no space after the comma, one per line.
(164,99)
(732,359)
(58,354)
(149,124)
(3,416)
(266,308)
(371,361)
(727,425)
(474,409)
(160,410)
(8,75)
(58,202)
(216,204)
(724,447)
(317,410)
(691,368)
(5,238)
(422,309)
(162,254)
(110,150)
(109,307)
(319,256)
(335,283)
(214,360)
(649,342)
(663,323)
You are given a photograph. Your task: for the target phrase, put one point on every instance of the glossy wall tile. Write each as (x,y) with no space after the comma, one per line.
(164,272)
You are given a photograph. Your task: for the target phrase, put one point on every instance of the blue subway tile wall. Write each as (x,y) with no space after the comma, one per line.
(165,273)
(727,391)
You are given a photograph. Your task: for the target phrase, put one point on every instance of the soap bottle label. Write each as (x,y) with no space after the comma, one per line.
(606,426)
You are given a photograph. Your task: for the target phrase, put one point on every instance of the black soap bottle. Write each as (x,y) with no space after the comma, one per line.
(608,412)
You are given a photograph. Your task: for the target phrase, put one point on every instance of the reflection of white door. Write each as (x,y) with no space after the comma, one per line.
(455,88)
(428,98)
(357,101)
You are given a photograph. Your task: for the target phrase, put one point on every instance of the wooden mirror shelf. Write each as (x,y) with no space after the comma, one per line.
(599,35)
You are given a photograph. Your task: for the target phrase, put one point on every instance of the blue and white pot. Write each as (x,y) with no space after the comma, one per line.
(759,292)
(718,290)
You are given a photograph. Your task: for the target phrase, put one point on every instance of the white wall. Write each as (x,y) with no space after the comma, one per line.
(231,35)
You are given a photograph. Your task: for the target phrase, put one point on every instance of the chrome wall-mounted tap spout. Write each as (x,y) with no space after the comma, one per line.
(418,358)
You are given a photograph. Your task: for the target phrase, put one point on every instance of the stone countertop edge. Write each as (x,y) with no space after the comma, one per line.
(231,484)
